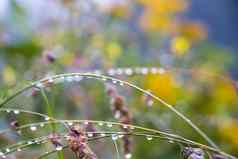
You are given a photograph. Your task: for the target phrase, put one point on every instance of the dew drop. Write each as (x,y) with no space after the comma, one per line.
(149,138)
(77,78)
(8,111)
(161,70)
(69,79)
(70,123)
(111,72)
(114,137)
(102,134)
(33,128)
(42,125)
(132,127)
(86,122)
(125,126)
(117,114)
(121,136)
(144,71)
(154,70)
(104,79)
(62,78)
(100,124)
(16,111)
(109,125)
(47,118)
(128,71)
(128,155)
(19,150)
(29,142)
(121,84)
(90,135)
(150,102)
(50,80)
(7,150)
(58,148)
(37,141)
(114,81)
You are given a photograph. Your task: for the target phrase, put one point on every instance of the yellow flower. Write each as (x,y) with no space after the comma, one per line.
(164,6)
(9,77)
(113,50)
(180,45)
(229,130)
(152,22)
(163,86)
(192,31)
(225,93)
(160,14)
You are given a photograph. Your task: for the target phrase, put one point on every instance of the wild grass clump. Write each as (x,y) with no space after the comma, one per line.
(78,138)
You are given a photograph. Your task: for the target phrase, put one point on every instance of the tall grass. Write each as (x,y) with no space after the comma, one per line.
(76,137)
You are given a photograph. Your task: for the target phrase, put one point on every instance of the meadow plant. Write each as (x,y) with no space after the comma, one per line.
(81,136)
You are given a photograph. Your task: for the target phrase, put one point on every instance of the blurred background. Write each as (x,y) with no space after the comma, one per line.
(194,43)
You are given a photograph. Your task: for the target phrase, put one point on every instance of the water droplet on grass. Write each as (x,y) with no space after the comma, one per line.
(128,155)
(16,111)
(58,148)
(114,136)
(33,128)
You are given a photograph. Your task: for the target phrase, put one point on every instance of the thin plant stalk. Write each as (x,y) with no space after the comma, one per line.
(49,109)
(98,76)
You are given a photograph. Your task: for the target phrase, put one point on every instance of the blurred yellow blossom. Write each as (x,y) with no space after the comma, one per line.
(9,76)
(192,31)
(225,93)
(164,6)
(163,86)
(113,50)
(180,45)
(159,14)
(229,130)
(187,34)
(150,21)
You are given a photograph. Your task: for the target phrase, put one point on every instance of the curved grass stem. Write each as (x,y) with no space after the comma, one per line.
(115,80)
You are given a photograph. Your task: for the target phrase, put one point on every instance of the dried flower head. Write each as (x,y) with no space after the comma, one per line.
(192,153)
(121,112)
(55,139)
(77,142)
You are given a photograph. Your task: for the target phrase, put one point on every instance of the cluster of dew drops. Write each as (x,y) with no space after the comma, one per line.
(77,78)
(34,127)
(74,77)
